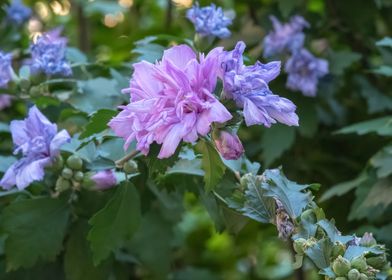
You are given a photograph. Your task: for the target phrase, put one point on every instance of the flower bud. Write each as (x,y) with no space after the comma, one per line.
(359,263)
(78,176)
(229,145)
(104,180)
(58,163)
(75,162)
(368,240)
(67,173)
(299,245)
(377,262)
(338,249)
(25,84)
(341,266)
(130,167)
(353,274)
(62,184)
(363,276)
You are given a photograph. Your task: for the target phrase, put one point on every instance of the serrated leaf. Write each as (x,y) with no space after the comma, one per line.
(188,167)
(112,226)
(384,70)
(381,126)
(357,251)
(385,42)
(382,161)
(156,165)
(35,229)
(211,163)
(379,195)
(78,262)
(254,204)
(343,188)
(98,122)
(333,233)
(320,253)
(275,141)
(289,193)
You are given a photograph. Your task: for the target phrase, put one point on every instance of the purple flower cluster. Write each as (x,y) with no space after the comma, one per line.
(171,101)
(5,69)
(48,54)
(17,13)
(209,21)
(248,87)
(285,37)
(304,70)
(37,139)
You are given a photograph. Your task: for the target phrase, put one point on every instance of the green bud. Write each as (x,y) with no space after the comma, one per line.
(78,176)
(377,262)
(67,173)
(341,266)
(88,183)
(308,215)
(35,91)
(299,245)
(25,84)
(58,163)
(75,162)
(363,276)
(367,240)
(354,274)
(359,263)
(338,249)
(62,184)
(341,278)
(130,167)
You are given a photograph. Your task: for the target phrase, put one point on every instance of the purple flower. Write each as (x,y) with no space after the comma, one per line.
(210,21)
(304,70)
(229,145)
(5,69)
(17,13)
(104,179)
(36,138)
(248,87)
(48,54)
(171,100)
(5,101)
(285,37)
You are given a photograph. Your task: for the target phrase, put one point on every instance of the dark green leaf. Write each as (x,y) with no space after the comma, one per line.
(35,229)
(289,193)
(212,164)
(116,223)
(98,122)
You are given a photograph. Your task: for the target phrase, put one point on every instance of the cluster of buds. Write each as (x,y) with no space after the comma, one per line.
(356,269)
(71,173)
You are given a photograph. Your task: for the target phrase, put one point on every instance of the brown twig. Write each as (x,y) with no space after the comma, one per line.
(119,163)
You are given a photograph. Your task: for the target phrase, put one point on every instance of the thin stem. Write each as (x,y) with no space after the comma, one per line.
(299,273)
(119,163)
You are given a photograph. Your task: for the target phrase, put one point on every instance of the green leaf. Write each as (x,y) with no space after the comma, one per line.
(379,195)
(332,232)
(115,223)
(6,162)
(343,188)
(275,141)
(384,70)
(35,229)
(255,204)
(357,251)
(189,167)
(340,61)
(95,94)
(385,42)
(289,193)
(381,126)
(74,55)
(98,122)
(320,253)
(156,165)
(382,161)
(78,262)
(377,101)
(211,163)
(148,51)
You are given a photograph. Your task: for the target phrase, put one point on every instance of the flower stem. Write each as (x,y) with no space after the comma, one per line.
(119,163)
